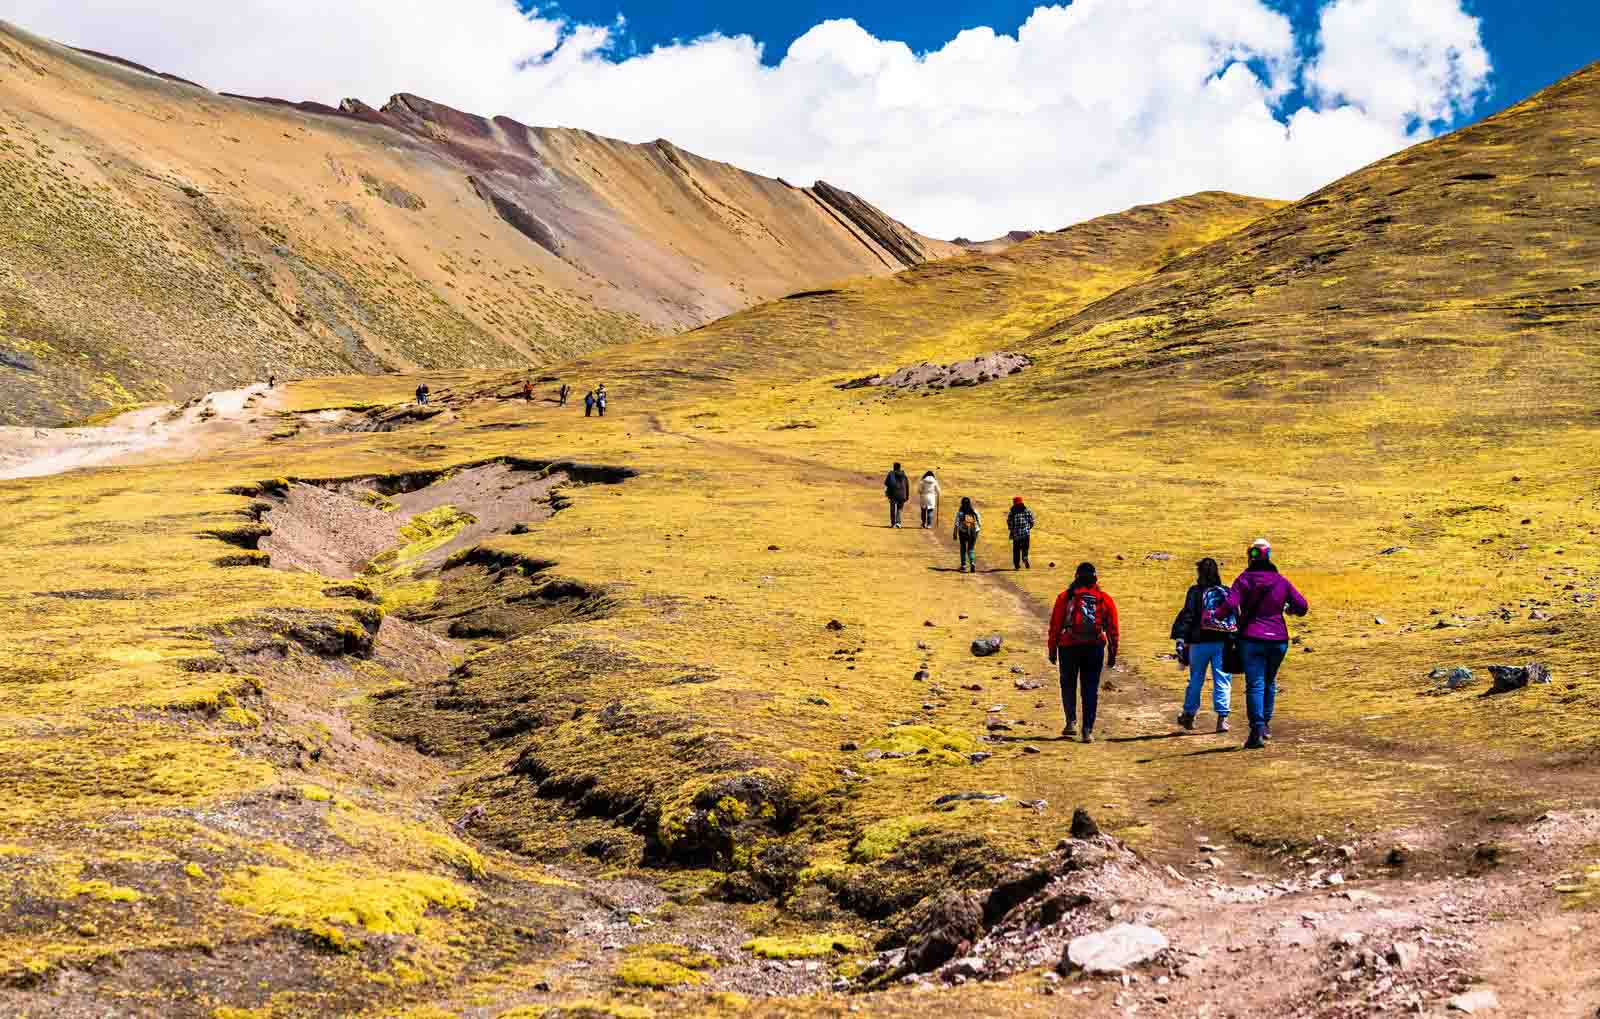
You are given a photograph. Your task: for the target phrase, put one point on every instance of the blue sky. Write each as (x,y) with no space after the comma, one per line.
(1533,43)
(960,119)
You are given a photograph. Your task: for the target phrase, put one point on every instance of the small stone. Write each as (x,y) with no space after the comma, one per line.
(1399,855)
(1335,879)
(921,676)
(1474,1002)
(1379,621)
(928,706)
(873,755)
(1404,955)
(1030,749)
(962,615)
(979,757)
(922,645)
(1351,939)
(983,647)
(772,548)
(1083,826)
(835,625)
(819,701)
(1017,670)
(927,622)
(1114,951)
(969,797)
(1538,614)
(849,746)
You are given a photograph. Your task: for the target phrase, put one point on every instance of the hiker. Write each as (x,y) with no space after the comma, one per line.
(272,381)
(968,526)
(897,489)
(527,391)
(1020,523)
(1260,596)
(1083,638)
(422,393)
(1205,633)
(588,403)
(562,394)
(600,399)
(930,499)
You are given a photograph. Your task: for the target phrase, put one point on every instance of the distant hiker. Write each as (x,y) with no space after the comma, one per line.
(1261,596)
(1083,638)
(968,526)
(600,399)
(422,393)
(588,403)
(1020,523)
(527,391)
(897,489)
(562,394)
(272,380)
(1206,632)
(930,499)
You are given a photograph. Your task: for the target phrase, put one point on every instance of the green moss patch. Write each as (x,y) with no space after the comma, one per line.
(805,946)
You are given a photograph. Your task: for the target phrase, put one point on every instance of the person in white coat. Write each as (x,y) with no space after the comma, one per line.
(930,498)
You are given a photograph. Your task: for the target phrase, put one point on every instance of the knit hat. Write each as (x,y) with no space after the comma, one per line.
(1016,500)
(1261,548)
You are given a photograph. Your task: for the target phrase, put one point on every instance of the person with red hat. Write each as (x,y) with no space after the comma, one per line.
(1020,523)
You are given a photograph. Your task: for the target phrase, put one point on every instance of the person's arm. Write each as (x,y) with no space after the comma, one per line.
(1185,621)
(1113,631)
(1057,617)
(1235,595)
(1297,604)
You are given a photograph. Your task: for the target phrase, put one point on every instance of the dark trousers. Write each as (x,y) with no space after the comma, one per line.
(1019,551)
(1080,670)
(588,410)
(969,551)
(895,507)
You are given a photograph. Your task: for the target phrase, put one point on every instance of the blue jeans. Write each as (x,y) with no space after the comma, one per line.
(1262,659)
(1200,656)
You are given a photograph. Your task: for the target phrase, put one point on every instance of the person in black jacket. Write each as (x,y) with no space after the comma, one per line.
(897,488)
(1019,522)
(1202,631)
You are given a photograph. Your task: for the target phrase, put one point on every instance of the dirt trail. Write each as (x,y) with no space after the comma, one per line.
(162,432)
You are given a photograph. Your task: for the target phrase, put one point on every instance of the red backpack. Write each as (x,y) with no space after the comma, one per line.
(1084,623)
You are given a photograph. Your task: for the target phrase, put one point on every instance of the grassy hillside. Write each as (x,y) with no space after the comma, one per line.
(158,240)
(569,734)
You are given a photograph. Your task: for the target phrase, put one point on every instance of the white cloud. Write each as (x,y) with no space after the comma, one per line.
(1089,108)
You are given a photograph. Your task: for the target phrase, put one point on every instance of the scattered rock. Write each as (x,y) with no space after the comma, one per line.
(1030,749)
(772,548)
(1538,614)
(979,757)
(983,647)
(921,676)
(1399,855)
(849,746)
(1083,826)
(1159,557)
(1018,670)
(1114,951)
(969,797)
(819,701)
(942,928)
(1474,1002)
(1026,684)
(969,968)
(927,622)
(873,755)
(1453,679)
(1379,621)
(1392,549)
(1514,677)
(1404,955)
(922,645)
(835,625)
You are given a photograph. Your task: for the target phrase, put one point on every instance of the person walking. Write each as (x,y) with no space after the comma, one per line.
(897,489)
(527,390)
(969,524)
(600,399)
(1203,632)
(588,403)
(1084,639)
(1020,523)
(422,393)
(1260,596)
(930,499)
(562,394)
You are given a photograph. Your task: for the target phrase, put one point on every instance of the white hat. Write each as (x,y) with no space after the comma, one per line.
(1264,545)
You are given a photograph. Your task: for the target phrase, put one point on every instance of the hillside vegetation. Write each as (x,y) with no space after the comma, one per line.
(652,715)
(158,240)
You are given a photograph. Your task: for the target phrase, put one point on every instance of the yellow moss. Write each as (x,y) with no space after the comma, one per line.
(524,1012)
(229,1012)
(422,534)
(103,890)
(194,870)
(399,597)
(647,972)
(369,828)
(805,946)
(883,838)
(323,894)
(943,746)
(683,956)
(315,793)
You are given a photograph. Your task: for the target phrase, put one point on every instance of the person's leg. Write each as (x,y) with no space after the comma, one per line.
(969,553)
(1255,673)
(1273,655)
(1221,683)
(1199,655)
(1090,666)
(1069,688)
(1027,541)
(891,511)
(1016,554)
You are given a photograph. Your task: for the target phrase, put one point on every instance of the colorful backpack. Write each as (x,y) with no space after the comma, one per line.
(1214,615)
(967,524)
(1084,625)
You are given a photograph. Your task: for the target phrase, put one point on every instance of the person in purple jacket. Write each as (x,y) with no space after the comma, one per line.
(1261,596)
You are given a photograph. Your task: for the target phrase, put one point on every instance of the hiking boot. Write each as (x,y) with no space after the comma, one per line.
(1222,723)
(1186,720)
(1027,565)
(1266,732)
(1070,728)
(1088,735)
(1256,740)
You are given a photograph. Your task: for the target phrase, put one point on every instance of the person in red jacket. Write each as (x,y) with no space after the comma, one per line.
(1083,639)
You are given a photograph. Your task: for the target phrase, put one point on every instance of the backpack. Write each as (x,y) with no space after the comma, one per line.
(967,524)
(1213,615)
(1084,625)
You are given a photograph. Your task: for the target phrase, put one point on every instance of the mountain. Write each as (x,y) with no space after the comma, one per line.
(158,240)
(1467,260)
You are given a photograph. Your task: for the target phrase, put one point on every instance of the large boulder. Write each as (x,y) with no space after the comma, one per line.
(1514,677)
(1115,950)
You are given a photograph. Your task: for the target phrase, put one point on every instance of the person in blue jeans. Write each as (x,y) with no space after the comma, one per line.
(1202,631)
(1262,596)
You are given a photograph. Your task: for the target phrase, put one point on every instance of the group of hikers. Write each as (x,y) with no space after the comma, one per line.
(1227,629)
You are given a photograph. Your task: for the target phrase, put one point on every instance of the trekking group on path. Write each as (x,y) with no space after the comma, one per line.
(1229,629)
